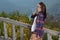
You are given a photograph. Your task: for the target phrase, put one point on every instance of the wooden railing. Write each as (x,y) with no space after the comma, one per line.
(22,25)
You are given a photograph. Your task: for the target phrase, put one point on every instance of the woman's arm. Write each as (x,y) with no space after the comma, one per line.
(32,17)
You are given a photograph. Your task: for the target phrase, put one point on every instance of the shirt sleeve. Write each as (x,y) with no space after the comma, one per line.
(33,16)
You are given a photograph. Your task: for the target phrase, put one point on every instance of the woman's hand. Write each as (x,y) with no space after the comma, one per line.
(34,13)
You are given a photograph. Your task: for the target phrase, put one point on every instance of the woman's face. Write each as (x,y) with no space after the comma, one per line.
(38,7)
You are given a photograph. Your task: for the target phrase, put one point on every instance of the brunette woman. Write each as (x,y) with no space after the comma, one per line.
(38,33)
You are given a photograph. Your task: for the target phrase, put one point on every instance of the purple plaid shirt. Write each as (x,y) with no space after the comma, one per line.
(39,31)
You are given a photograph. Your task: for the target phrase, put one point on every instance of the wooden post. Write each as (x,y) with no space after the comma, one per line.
(49,36)
(29,33)
(13,32)
(5,30)
(59,36)
(21,33)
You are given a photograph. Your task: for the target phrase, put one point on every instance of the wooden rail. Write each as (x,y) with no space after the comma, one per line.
(22,25)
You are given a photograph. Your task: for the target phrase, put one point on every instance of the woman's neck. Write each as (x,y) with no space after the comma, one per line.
(40,12)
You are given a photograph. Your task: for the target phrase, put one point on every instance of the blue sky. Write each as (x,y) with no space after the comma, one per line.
(27,5)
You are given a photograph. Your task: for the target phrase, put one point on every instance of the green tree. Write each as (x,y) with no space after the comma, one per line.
(3,14)
(13,15)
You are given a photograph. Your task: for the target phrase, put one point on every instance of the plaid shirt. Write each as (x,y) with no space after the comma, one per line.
(39,24)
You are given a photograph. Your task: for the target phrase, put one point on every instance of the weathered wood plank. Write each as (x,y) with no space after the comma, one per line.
(59,35)
(21,33)
(49,37)
(52,32)
(5,30)
(14,22)
(13,32)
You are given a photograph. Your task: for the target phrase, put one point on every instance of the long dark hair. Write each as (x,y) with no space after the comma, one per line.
(43,7)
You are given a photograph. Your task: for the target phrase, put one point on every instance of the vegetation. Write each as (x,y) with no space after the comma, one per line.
(24,18)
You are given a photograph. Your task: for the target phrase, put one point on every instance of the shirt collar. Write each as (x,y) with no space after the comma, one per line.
(40,12)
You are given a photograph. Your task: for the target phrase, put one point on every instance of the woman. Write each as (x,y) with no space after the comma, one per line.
(38,33)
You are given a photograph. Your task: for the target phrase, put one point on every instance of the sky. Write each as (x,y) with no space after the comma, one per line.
(17,4)
(53,6)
